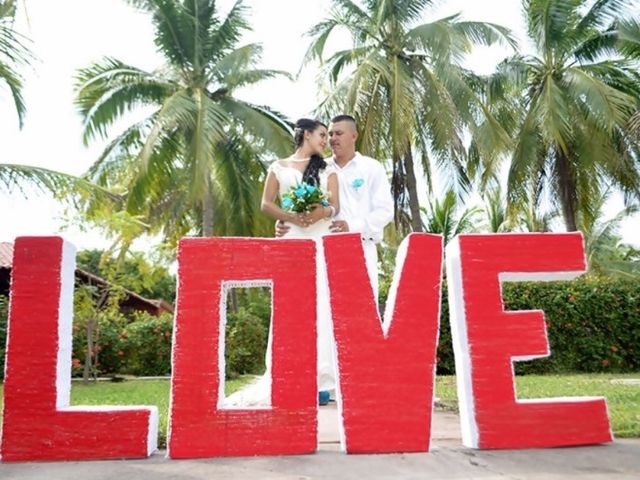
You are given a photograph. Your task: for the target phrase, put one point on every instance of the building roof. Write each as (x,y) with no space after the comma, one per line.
(6,254)
(136,301)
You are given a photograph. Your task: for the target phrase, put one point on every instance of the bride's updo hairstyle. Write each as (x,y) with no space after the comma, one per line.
(316,163)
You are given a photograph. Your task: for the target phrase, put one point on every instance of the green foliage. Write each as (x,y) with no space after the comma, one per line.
(99,311)
(145,345)
(246,343)
(141,344)
(606,254)
(593,325)
(106,325)
(108,348)
(14,56)
(449,218)
(135,272)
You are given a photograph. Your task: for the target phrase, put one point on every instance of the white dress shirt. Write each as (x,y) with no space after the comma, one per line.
(366,203)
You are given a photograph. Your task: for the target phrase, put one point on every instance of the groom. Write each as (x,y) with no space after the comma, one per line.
(366,204)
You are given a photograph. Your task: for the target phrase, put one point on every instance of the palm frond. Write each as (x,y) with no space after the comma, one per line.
(59,184)
(629,37)
(15,54)
(224,37)
(15,83)
(602,14)
(108,89)
(549,23)
(607,106)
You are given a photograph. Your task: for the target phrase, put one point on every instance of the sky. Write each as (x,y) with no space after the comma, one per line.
(71,34)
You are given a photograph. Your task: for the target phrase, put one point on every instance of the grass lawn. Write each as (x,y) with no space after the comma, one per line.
(135,392)
(623,400)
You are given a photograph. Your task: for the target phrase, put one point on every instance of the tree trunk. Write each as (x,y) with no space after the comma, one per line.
(234,300)
(412,189)
(207,211)
(88,357)
(399,192)
(567,190)
(91,359)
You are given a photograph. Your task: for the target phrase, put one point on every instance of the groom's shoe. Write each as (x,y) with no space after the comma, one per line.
(323,397)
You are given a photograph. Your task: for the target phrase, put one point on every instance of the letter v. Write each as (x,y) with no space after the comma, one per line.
(386,370)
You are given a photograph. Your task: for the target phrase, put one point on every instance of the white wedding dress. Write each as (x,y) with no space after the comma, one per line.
(258,393)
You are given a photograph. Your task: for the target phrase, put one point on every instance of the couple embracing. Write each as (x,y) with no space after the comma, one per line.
(358,199)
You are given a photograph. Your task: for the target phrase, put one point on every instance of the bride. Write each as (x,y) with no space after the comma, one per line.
(305,165)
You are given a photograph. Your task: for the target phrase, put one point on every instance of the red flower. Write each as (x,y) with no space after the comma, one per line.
(605,362)
(614,349)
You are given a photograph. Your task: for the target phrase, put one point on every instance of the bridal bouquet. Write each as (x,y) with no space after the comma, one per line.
(301,197)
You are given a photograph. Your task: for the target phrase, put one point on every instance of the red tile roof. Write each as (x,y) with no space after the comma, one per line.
(6,261)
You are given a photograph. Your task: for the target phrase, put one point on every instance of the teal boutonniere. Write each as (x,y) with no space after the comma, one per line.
(357,183)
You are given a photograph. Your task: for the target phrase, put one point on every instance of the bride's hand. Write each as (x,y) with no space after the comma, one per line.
(299,219)
(317,213)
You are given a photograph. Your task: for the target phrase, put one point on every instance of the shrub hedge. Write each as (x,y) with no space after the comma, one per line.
(593,326)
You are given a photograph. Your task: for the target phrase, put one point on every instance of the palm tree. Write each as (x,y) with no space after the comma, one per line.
(571,104)
(606,254)
(403,82)
(200,145)
(448,218)
(495,209)
(532,219)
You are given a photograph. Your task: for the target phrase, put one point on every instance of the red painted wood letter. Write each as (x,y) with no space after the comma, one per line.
(487,340)
(38,423)
(386,369)
(199,424)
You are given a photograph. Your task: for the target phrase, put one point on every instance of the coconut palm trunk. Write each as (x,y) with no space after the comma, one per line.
(567,190)
(207,211)
(412,190)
